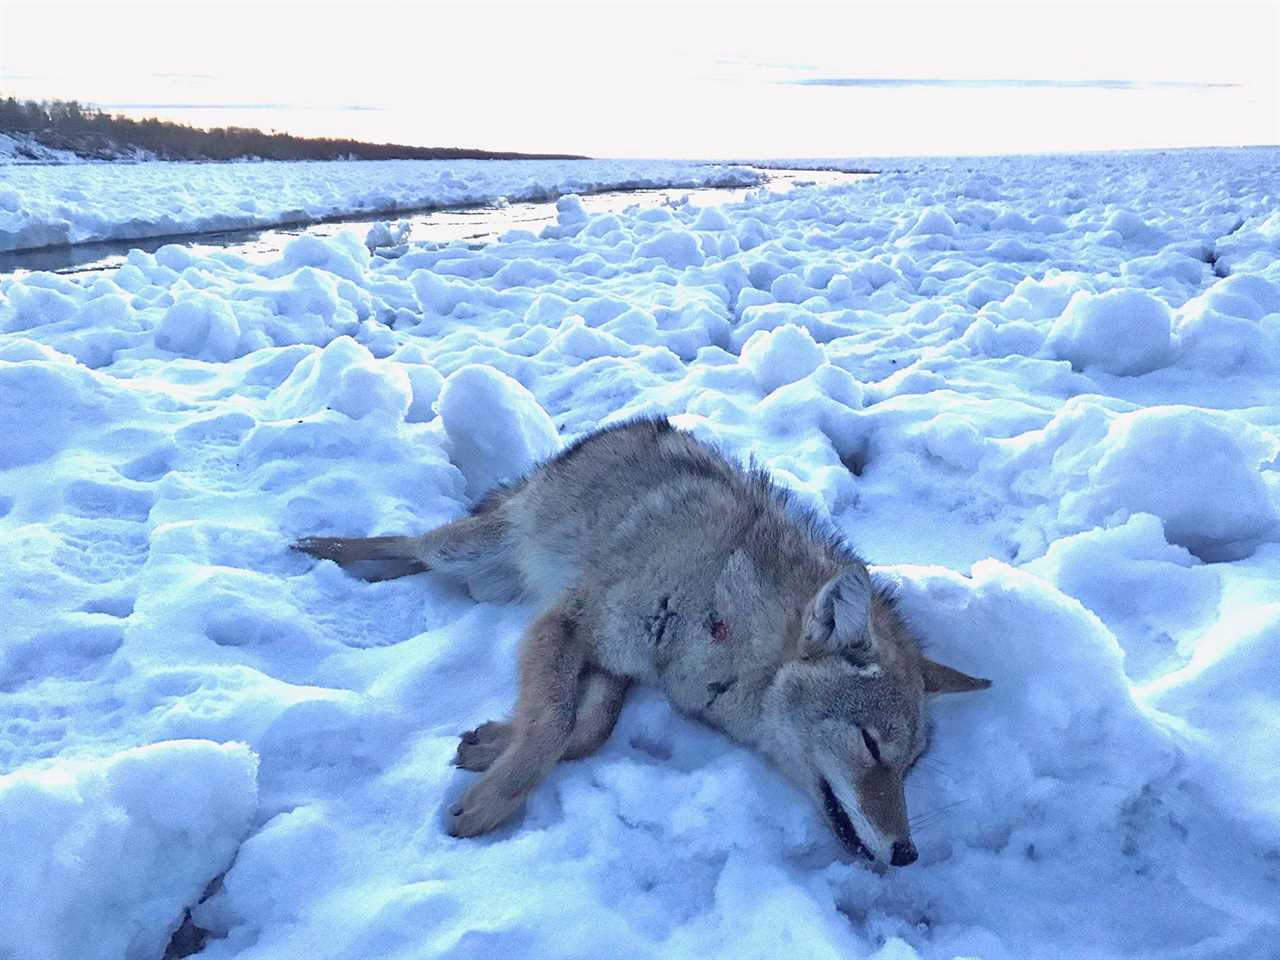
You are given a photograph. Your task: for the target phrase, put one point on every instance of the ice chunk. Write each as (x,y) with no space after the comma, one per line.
(1135,230)
(35,305)
(343,254)
(569,211)
(385,233)
(711,219)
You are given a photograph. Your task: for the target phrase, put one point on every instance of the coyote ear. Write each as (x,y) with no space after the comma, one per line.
(837,619)
(940,679)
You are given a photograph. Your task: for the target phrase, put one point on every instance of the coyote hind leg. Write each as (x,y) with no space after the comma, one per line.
(551,659)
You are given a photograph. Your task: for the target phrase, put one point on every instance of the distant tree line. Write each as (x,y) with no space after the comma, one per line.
(87,130)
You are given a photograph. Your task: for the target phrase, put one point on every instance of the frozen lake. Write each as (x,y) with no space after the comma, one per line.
(1038,394)
(479,223)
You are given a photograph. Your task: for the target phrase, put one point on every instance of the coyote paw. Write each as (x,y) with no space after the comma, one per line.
(484,806)
(479,748)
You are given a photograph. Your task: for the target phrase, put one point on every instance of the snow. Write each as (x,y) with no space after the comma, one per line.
(99,858)
(17,147)
(496,429)
(1039,394)
(1162,460)
(50,205)
(1125,332)
(780,356)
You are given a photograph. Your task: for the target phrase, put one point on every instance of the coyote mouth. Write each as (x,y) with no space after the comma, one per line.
(841,823)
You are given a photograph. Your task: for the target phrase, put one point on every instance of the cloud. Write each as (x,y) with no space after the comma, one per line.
(981,83)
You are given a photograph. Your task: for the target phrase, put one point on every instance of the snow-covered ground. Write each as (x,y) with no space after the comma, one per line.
(42,206)
(1040,393)
(17,147)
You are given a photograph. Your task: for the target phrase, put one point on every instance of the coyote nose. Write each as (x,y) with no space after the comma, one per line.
(904,853)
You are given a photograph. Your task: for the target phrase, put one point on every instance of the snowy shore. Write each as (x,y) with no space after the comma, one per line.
(1040,394)
(42,206)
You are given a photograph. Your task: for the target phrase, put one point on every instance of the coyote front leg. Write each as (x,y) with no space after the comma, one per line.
(600,696)
(551,658)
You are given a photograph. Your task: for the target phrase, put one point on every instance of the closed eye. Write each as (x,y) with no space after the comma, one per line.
(872,747)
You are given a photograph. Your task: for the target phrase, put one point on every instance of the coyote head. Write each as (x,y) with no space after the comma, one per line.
(843,718)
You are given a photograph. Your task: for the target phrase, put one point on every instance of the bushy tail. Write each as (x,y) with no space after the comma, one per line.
(475,548)
(375,558)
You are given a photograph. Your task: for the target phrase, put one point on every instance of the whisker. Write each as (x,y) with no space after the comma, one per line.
(932,815)
(935,814)
(938,767)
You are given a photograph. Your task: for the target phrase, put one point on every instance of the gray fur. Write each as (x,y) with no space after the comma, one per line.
(655,559)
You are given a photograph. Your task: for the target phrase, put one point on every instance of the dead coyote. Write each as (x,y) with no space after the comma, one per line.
(654,558)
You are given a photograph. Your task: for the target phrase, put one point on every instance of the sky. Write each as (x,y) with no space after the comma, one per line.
(721,80)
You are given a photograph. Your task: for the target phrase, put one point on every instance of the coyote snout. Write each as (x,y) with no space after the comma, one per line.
(655,559)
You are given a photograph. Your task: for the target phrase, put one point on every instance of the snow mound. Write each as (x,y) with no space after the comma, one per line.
(1124,332)
(200,326)
(781,356)
(386,233)
(345,377)
(933,222)
(99,859)
(679,248)
(1196,470)
(496,427)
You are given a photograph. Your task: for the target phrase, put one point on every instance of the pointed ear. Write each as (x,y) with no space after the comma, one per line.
(836,620)
(940,679)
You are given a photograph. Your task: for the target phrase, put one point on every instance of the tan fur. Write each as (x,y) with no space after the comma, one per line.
(655,559)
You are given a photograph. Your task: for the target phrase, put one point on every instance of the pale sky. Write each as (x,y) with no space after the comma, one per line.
(720,80)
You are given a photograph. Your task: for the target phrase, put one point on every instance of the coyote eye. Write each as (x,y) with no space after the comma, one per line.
(871,746)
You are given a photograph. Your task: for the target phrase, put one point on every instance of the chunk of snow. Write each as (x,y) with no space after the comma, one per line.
(199,325)
(345,377)
(781,356)
(1125,332)
(497,429)
(933,222)
(678,248)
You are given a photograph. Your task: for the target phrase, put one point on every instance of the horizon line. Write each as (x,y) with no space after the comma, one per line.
(984,82)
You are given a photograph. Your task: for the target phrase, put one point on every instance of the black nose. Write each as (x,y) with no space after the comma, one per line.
(904,853)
